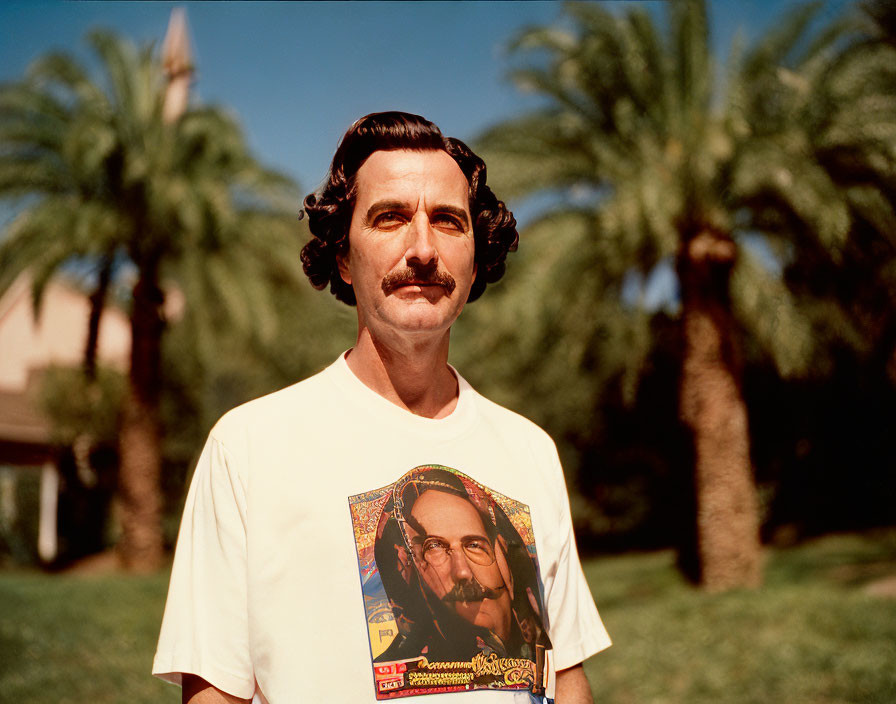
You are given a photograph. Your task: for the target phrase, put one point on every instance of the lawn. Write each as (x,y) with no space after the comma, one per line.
(813,634)
(816,633)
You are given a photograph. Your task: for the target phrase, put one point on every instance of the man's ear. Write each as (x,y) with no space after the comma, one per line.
(344,272)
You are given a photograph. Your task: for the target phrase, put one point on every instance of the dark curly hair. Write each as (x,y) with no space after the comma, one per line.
(330,210)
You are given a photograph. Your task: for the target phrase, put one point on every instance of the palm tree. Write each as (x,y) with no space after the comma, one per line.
(100,181)
(652,165)
(850,127)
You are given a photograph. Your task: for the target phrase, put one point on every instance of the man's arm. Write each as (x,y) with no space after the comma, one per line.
(572,687)
(197,691)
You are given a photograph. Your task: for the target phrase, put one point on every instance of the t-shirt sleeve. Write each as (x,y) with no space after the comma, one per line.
(205,626)
(575,627)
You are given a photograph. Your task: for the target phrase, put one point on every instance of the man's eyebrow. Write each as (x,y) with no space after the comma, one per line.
(384,205)
(459,213)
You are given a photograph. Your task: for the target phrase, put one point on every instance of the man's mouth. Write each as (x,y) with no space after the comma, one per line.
(423,278)
(470,591)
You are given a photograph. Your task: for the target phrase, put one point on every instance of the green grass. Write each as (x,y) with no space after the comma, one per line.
(67,639)
(811,635)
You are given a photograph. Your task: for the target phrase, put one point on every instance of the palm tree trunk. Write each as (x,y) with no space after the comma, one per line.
(83,444)
(140,438)
(97,304)
(712,406)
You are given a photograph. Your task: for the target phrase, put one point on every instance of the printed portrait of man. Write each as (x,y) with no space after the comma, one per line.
(459,577)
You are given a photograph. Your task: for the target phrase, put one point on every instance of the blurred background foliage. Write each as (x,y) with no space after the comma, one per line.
(785,149)
(110,173)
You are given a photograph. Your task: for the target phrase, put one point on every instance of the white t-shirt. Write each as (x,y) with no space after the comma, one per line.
(274,591)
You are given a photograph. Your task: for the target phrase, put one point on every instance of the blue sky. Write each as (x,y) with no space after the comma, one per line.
(298,74)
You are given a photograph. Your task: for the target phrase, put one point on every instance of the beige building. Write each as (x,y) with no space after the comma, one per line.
(28,346)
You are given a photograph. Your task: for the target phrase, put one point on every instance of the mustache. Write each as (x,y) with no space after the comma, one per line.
(420,275)
(470,591)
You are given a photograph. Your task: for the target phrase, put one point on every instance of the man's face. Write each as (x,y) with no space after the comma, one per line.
(411,246)
(459,563)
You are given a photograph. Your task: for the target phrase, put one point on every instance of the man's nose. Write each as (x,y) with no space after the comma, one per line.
(460,566)
(421,242)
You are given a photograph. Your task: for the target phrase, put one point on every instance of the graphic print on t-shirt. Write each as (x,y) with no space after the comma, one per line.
(451,586)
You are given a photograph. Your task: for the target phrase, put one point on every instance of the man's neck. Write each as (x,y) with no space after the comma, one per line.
(411,374)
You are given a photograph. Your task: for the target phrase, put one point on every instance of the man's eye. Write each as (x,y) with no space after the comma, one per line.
(388,219)
(433,544)
(448,221)
(476,545)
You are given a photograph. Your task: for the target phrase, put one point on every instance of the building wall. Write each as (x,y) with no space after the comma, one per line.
(57,337)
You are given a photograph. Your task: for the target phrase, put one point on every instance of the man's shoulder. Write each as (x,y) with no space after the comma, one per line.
(291,405)
(511,420)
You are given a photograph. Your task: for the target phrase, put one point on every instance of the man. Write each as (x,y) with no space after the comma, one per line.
(264,600)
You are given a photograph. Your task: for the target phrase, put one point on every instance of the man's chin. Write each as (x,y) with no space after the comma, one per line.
(475,612)
(486,613)
(418,314)
(481,619)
